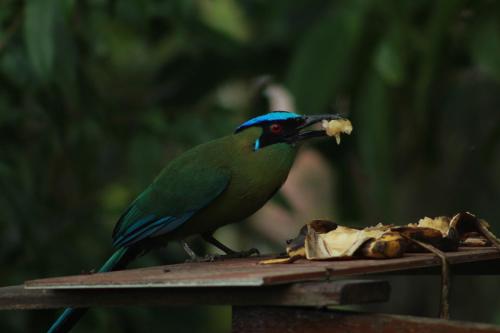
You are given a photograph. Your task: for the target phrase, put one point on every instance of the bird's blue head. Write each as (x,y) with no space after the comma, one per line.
(284,127)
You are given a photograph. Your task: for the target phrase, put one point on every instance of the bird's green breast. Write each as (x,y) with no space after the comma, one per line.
(254,177)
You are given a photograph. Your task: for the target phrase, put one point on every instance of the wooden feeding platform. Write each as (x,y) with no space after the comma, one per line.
(296,292)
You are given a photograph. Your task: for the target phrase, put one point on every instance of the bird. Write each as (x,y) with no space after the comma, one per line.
(216,183)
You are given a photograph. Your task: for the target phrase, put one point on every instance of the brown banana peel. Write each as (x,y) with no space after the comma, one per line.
(325,240)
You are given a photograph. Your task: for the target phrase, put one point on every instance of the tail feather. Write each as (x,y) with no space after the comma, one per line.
(70,316)
(67,320)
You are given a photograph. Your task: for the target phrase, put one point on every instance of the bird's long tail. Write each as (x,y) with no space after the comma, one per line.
(70,316)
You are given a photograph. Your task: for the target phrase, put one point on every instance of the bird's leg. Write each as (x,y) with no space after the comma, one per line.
(229,253)
(193,257)
(188,250)
(211,239)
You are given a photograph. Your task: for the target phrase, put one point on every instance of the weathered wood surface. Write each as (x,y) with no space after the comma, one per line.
(298,294)
(303,320)
(248,272)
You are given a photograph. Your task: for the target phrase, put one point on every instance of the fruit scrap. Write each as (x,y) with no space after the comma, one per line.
(469,226)
(389,245)
(441,223)
(321,226)
(323,239)
(294,249)
(336,127)
(273,261)
(373,242)
(427,235)
(462,229)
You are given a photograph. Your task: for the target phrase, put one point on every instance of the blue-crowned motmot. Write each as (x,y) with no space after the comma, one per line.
(216,183)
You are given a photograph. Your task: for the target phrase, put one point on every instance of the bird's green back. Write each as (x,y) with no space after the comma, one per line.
(213,184)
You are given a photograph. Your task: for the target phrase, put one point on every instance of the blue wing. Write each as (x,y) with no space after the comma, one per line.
(169,202)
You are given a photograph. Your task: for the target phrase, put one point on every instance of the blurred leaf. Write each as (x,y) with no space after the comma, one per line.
(114,197)
(15,65)
(324,55)
(39,29)
(485,47)
(443,13)
(373,130)
(145,159)
(225,16)
(67,6)
(389,62)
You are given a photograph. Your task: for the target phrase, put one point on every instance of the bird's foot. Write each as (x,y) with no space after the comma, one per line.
(235,254)
(206,258)
(219,257)
(243,254)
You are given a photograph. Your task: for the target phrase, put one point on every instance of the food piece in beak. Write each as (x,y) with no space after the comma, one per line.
(336,127)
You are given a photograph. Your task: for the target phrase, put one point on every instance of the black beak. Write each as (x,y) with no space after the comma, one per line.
(311,120)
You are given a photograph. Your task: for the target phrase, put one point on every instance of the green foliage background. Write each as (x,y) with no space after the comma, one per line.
(96,96)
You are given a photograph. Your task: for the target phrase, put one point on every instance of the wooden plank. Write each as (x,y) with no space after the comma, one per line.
(409,261)
(229,273)
(306,320)
(299,294)
(485,267)
(248,272)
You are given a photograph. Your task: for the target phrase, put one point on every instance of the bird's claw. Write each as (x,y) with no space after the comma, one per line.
(241,254)
(232,255)
(248,253)
(206,258)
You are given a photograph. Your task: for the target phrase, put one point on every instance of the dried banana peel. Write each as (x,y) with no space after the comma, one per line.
(294,251)
(475,242)
(372,242)
(295,247)
(448,234)
(441,223)
(389,245)
(273,261)
(469,226)
(427,235)
(341,242)
(323,239)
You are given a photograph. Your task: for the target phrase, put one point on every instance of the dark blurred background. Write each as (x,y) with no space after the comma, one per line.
(97,95)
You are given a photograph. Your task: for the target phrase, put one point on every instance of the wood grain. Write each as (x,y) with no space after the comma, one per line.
(248,272)
(315,294)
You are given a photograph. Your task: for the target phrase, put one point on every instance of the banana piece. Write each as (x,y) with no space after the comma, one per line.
(336,127)
(389,245)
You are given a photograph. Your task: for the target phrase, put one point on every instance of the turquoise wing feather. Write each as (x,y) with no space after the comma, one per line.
(180,191)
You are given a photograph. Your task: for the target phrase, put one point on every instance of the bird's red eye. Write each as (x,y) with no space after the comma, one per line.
(276,128)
